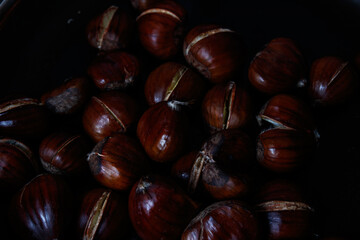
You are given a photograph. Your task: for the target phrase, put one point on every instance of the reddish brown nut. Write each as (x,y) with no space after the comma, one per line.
(68,97)
(109,112)
(23,117)
(226,106)
(162,131)
(280,67)
(161,28)
(332,81)
(64,153)
(17,165)
(142,5)
(223,220)
(118,161)
(173,81)
(159,209)
(111,30)
(216,52)
(42,209)
(103,215)
(114,70)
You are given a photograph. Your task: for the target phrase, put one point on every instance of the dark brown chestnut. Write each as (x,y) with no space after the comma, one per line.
(223,221)
(23,117)
(17,165)
(111,30)
(280,67)
(163,131)
(173,81)
(161,28)
(114,70)
(109,112)
(64,153)
(216,52)
(118,161)
(42,209)
(104,215)
(159,209)
(142,5)
(227,106)
(332,81)
(68,97)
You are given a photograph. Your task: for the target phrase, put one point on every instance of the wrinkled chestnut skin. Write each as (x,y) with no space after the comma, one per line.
(103,215)
(159,209)
(284,149)
(142,5)
(69,97)
(42,209)
(114,70)
(111,30)
(161,29)
(173,81)
(223,221)
(23,117)
(117,161)
(64,153)
(280,67)
(17,165)
(332,81)
(109,112)
(227,106)
(162,131)
(219,53)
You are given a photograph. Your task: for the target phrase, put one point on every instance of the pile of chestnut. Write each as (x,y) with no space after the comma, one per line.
(185,164)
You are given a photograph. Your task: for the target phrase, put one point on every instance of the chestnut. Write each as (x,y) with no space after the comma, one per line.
(117,161)
(162,131)
(109,112)
(332,81)
(42,209)
(64,153)
(226,106)
(23,117)
(159,209)
(216,52)
(17,165)
(142,5)
(278,68)
(173,81)
(114,70)
(111,30)
(161,28)
(69,97)
(103,215)
(223,221)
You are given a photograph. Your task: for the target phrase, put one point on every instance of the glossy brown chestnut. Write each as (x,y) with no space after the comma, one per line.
(284,149)
(111,30)
(173,81)
(109,112)
(332,81)
(159,209)
(161,28)
(114,70)
(280,67)
(283,212)
(68,97)
(118,161)
(42,209)
(103,215)
(226,106)
(17,165)
(142,5)
(64,153)
(216,52)
(162,131)
(223,221)
(23,117)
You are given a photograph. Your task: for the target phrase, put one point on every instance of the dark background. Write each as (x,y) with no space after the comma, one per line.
(43,43)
